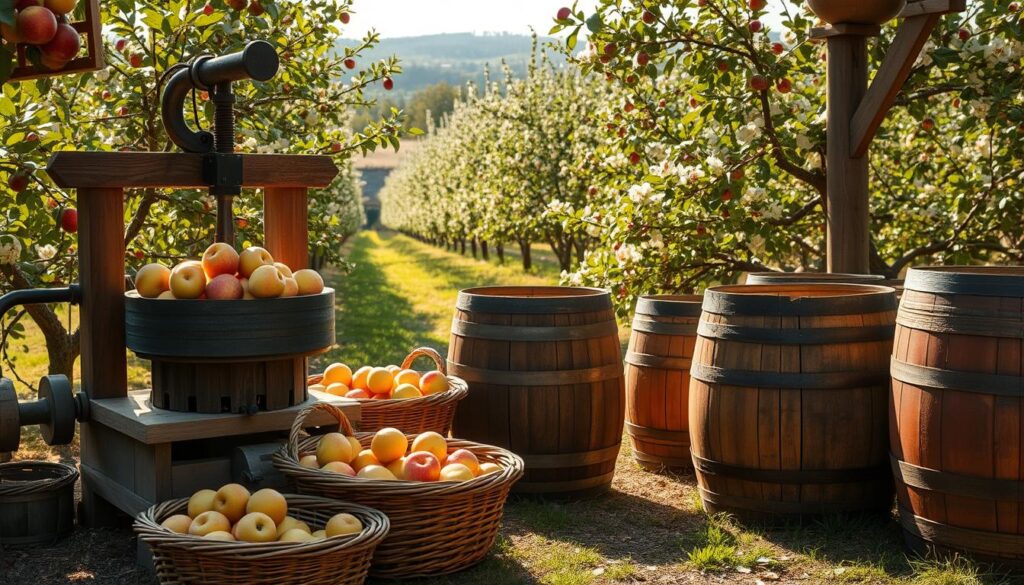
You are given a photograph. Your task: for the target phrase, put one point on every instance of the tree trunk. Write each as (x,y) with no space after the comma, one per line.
(484,252)
(524,249)
(581,251)
(462,243)
(501,253)
(472,244)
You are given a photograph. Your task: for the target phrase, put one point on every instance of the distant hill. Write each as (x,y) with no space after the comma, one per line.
(454,58)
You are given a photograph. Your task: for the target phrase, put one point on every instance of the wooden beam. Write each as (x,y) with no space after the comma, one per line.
(844,29)
(108,170)
(923,7)
(899,62)
(286,225)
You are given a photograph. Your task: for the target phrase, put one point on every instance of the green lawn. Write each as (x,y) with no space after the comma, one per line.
(648,529)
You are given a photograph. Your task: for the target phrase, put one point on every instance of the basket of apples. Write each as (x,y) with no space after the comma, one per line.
(444,497)
(398,396)
(230,536)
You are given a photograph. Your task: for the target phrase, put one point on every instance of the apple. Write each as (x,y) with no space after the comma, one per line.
(60,6)
(266,282)
(784,86)
(256,527)
(310,282)
(283,268)
(220,258)
(295,535)
(245,289)
(290,523)
(357,394)
(339,467)
(405,392)
(964,34)
(224,287)
(359,378)
(64,45)
(252,258)
(755,26)
(152,280)
(208,522)
(756,5)
(291,288)
(18,183)
(208,9)
(642,59)
(758,83)
(338,389)
(364,458)
(166,296)
(431,442)
(928,124)
(376,472)
(421,466)
(220,535)
(349,64)
(389,444)
(397,467)
(778,48)
(179,523)
(388,83)
(488,468)
(269,502)
(309,461)
(69,217)
(135,60)
(334,447)
(563,13)
(231,500)
(464,457)
(342,524)
(188,281)
(201,501)
(433,383)
(255,8)
(36,25)
(319,535)
(345,17)
(408,377)
(456,472)
(649,17)
(337,373)
(380,381)
(238,4)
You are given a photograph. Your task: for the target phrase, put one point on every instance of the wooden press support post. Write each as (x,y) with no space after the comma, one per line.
(855,112)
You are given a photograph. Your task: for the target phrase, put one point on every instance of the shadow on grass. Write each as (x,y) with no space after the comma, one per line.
(499,567)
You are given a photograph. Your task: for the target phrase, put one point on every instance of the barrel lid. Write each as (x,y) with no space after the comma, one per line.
(802,277)
(988,281)
(670,305)
(533,300)
(792,300)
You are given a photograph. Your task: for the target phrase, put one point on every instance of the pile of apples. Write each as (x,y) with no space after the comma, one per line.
(233,514)
(44,24)
(392,457)
(388,383)
(225,274)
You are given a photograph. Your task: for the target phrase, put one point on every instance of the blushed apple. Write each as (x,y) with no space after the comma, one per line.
(224,287)
(456,472)
(291,288)
(464,457)
(433,383)
(266,282)
(188,281)
(421,466)
(220,258)
(310,282)
(252,258)
(287,272)
(64,45)
(152,280)
(36,25)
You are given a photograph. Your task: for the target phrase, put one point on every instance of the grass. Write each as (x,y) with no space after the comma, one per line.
(650,528)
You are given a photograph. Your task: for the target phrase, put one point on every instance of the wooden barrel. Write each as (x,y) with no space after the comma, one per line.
(544,369)
(788,399)
(824,278)
(37,502)
(658,380)
(957,412)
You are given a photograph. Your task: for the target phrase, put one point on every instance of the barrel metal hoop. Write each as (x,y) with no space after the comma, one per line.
(646,360)
(974,382)
(725,302)
(552,487)
(661,328)
(950,282)
(958,538)
(791,476)
(549,378)
(778,507)
(664,436)
(474,302)
(568,460)
(808,381)
(952,319)
(525,333)
(660,307)
(955,484)
(820,336)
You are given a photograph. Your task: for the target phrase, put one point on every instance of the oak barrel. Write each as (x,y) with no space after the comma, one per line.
(544,369)
(823,278)
(37,502)
(957,412)
(658,364)
(787,399)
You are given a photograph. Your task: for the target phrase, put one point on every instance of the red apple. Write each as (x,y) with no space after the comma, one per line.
(350,63)
(928,124)
(345,17)
(642,58)
(255,8)
(610,49)
(778,48)
(135,60)
(563,13)
(18,183)
(224,287)
(784,86)
(64,45)
(756,5)
(759,83)
(421,466)
(36,25)
(649,17)
(964,34)
(120,45)
(220,258)
(238,4)
(755,26)
(207,9)
(69,220)
(388,83)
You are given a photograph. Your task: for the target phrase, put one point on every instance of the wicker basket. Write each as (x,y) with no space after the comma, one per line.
(415,415)
(437,527)
(180,559)
(37,502)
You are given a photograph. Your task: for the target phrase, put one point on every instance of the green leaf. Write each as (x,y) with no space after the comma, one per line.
(7,12)
(595,23)
(7,62)
(571,41)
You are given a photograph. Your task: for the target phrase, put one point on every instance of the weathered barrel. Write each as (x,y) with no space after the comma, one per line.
(957,412)
(658,380)
(787,399)
(544,369)
(823,278)
(37,502)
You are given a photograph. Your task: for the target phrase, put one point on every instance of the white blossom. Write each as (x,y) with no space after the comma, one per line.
(10,249)
(46,252)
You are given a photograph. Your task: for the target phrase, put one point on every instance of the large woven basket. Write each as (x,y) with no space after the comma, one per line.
(187,560)
(436,527)
(415,415)
(37,502)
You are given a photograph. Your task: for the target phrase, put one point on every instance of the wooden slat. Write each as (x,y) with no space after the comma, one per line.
(933,7)
(846,29)
(286,225)
(182,170)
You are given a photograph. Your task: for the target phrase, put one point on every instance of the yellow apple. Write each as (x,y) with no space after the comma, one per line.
(431,442)
(245,289)
(356,445)
(342,524)
(266,283)
(359,378)
(337,389)
(60,6)
(179,523)
(334,447)
(208,522)
(291,289)
(290,523)
(406,391)
(337,373)
(220,258)
(376,472)
(309,281)
(317,388)
(220,535)
(408,377)
(397,467)
(295,535)
(489,468)
(433,383)
(360,394)
(269,502)
(380,381)
(456,472)
(252,258)
(464,457)
(421,466)
(231,500)
(320,535)
(364,458)
(188,281)
(389,444)
(283,268)
(201,501)
(166,296)
(309,461)
(256,527)
(339,467)
(152,280)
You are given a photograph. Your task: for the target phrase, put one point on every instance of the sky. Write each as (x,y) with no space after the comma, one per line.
(406,18)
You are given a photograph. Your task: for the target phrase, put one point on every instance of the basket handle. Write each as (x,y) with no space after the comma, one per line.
(298,425)
(430,353)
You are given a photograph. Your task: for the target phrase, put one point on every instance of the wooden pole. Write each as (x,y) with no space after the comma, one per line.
(286,225)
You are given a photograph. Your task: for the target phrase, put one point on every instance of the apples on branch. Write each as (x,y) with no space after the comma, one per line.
(43,27)
(225,274)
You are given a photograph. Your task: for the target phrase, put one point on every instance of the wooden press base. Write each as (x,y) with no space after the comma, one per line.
(134,455)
